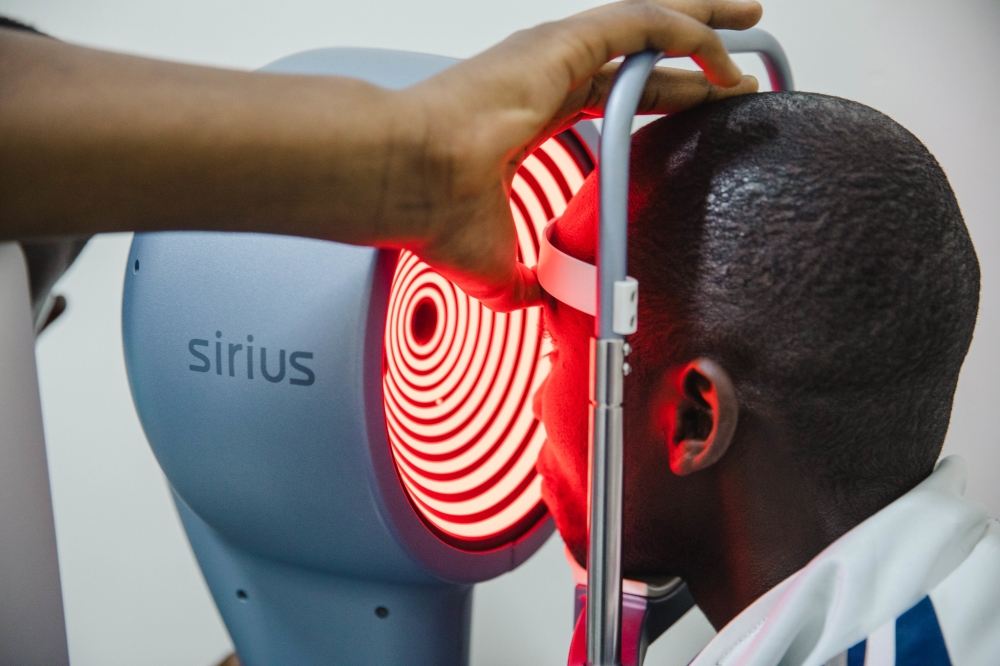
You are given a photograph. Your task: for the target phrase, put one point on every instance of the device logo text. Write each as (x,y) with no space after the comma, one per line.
(239,360)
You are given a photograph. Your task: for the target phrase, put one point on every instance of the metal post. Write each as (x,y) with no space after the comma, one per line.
(604,569)
(604,574)
(604,578)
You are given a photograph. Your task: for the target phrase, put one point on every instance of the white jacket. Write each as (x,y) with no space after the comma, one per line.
(918,583)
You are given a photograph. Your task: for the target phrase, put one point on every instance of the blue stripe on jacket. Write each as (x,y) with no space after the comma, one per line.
(919,641)
(856,654)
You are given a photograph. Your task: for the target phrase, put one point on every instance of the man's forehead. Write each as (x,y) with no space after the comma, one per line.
(575,232)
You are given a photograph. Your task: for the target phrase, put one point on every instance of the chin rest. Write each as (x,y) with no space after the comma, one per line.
(644,618)
(648,610)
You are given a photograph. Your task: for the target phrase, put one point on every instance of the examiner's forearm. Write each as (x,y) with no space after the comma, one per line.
(92,142)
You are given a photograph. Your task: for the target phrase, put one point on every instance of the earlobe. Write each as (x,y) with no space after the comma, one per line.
(706,411)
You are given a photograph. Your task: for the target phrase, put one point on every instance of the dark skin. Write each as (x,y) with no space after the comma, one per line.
(712,492)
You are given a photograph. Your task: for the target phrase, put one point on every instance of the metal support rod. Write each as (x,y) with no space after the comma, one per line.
(604,568)
(604,574)
(604,577)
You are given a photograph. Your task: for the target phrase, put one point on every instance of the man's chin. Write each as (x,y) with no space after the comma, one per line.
(571,528)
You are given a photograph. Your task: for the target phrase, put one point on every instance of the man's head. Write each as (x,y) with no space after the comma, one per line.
(808,292)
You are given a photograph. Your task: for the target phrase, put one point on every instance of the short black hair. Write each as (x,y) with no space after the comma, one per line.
(813,247)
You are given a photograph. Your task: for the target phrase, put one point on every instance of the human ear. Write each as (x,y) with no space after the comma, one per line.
(704,420)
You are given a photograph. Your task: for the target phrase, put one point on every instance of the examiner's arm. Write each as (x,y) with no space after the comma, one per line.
(93,142)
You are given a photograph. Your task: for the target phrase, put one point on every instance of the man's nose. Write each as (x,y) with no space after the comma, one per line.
(536,400)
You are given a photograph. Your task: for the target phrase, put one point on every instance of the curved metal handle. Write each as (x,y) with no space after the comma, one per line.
(604,572)
(616,147)
(767,47)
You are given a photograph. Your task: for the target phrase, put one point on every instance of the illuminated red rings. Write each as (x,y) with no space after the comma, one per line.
(458,379)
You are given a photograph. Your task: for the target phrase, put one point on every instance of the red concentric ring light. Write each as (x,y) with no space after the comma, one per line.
(458,379)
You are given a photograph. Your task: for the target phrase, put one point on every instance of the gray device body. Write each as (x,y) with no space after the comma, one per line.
(284,481)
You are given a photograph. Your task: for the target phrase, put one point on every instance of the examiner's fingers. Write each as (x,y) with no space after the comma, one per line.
(496,107)
(523,293)
(678,28)
(648,25)
(521,290)
(673,91)
(738,15)
(668,90)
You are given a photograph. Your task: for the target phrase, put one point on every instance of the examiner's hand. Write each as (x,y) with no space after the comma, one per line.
(481,117)
(92,141)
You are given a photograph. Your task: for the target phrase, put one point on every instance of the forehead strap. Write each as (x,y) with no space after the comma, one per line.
(566,278)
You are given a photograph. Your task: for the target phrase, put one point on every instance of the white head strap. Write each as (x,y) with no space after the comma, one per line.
(574,282)
(565,278)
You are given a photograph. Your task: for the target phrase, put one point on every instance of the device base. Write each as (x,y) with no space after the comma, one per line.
(282,614)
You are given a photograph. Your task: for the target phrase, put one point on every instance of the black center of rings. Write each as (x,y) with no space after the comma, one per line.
(424,322)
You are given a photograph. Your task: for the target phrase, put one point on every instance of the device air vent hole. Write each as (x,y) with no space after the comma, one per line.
(382,612)
(242,595)
(135,266)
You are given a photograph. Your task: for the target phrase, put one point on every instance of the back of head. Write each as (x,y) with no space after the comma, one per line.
(814,248)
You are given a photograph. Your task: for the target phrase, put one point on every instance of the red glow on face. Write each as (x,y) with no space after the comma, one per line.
(459,379)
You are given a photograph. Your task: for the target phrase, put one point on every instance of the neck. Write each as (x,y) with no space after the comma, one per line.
(765,527)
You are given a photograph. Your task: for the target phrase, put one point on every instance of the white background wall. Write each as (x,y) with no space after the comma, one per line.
(133,593)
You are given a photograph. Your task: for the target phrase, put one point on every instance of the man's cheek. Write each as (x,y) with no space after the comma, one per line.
(569,514)
(566,426)
(564,398)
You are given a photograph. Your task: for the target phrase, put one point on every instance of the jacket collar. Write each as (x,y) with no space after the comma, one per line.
(868,577)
